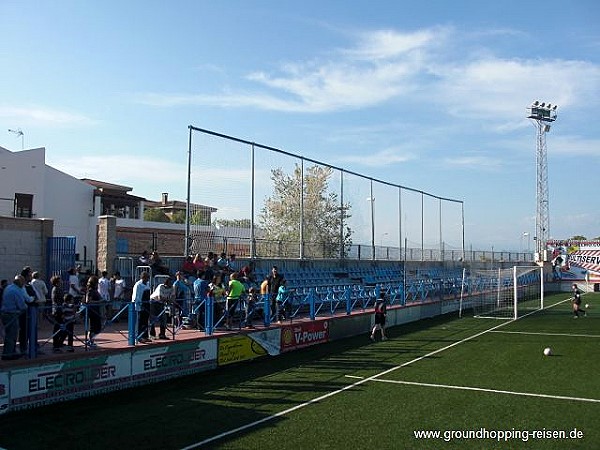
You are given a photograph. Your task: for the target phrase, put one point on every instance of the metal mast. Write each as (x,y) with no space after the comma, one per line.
(541,114)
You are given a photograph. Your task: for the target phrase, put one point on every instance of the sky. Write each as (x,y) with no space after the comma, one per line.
(432,95)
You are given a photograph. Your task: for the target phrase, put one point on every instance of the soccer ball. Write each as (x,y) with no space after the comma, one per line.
(587,305)
(547,351)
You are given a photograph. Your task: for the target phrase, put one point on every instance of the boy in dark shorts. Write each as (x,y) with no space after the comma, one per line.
(380,313)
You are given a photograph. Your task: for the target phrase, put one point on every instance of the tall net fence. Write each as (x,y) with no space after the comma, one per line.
(257,201)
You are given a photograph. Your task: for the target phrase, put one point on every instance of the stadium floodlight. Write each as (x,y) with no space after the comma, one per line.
(542,116)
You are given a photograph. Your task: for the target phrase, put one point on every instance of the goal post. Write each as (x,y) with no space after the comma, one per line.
(502,293)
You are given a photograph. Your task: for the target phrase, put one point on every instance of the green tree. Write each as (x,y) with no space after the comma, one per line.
(155,215)
(200,217)
(280,217)
(234,223)
(578,238)
(178,217)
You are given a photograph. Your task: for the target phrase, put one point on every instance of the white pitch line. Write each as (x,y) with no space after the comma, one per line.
(338,391)
(494,391)
(345,388)
(549,334)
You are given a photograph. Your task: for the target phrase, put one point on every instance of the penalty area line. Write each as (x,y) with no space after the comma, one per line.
(549,334)
(338,391)
(493,391)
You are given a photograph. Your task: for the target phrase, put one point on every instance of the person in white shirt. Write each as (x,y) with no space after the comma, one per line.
(161,297)
(104,291)
(118,291)
(74,286)
(40,288)
(141,299)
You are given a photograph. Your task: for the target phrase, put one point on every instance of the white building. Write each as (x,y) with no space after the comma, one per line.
(31,188)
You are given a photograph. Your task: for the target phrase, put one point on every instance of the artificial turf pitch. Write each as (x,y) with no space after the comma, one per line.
(448,375)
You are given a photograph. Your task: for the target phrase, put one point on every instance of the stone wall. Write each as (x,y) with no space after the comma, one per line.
(23,242)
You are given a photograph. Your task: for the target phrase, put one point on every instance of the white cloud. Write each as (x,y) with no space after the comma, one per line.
(382,158)
(474,162)
(437,68)
(42,116)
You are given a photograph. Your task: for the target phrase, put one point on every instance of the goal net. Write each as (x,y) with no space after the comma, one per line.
(502,293)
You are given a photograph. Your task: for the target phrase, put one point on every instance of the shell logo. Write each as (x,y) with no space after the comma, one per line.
(287,336)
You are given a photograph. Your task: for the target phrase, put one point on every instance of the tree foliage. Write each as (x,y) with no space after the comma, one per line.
(234,223)
(280,218)
(155,215)
(178,217)
(200,217)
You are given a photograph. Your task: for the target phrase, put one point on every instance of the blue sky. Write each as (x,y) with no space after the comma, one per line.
(426,94)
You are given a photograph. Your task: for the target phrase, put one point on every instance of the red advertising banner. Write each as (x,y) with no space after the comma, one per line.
(304,334)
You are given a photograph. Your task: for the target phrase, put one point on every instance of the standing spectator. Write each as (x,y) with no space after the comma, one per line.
(69,308)
(380,314)
(14,304)
(188,268)
(200,293)
(157,264)
(144,259)
(104,292)
(199,264)
(576,301)
(59,329)
(218,293)
(234,292)
(40,288)
(141,298)
(56,294)
(118,291)
(250,307)
(25,318)
(280,302)
(180,295)
(247,274)
(93,302)
(74,286)
(159,299)
(223,264)
(275,280)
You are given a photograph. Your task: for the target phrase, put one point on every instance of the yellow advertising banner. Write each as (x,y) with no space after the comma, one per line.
(238,348)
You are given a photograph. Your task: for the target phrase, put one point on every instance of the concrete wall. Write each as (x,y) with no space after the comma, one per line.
(23,243)
(56,195)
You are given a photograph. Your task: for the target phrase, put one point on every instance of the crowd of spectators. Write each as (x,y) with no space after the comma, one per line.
(86,297)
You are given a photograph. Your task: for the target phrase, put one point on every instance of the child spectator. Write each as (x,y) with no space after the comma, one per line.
(250,307)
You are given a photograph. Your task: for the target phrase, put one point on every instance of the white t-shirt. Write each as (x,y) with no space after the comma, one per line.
(41,291)
(104,288)
(119,288)
(74,280)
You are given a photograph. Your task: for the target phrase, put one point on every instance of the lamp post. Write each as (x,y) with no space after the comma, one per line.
(525,233)
(542,114)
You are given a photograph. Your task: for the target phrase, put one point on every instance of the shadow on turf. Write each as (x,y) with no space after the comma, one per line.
(198,406)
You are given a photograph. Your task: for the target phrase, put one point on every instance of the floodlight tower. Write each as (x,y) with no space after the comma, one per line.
(542,115)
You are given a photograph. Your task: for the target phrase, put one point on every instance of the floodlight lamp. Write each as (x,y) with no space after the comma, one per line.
(549,106)
(554,108)
(536,103)
(542,105)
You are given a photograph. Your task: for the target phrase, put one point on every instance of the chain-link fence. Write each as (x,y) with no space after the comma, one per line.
(265,202)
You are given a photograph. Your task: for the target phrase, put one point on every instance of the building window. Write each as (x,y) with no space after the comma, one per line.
(24,205)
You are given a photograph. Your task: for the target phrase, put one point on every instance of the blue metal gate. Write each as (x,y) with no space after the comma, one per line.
(60,256)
